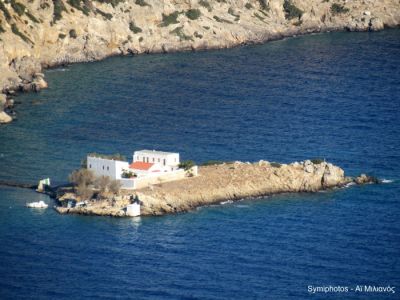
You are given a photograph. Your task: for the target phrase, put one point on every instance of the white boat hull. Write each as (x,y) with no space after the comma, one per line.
(39,204)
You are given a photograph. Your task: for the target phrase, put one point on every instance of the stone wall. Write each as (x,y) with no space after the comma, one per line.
(144,182)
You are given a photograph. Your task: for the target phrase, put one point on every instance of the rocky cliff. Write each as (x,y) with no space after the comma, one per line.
(219,183)
(35,34)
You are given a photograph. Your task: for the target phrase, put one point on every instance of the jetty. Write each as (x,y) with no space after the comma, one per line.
(18,184)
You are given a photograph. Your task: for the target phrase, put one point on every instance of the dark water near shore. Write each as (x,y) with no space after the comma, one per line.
(335,96)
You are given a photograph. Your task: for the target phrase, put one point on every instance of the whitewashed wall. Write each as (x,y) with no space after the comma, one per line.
(171,159)
(127,183)
(143,182)
(106,167)
(155,178)
(155,169)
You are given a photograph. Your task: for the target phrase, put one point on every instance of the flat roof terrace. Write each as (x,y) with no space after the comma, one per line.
(155,152)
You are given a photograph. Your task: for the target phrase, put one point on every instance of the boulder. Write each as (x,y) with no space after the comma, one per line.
(308,166)
(4,118)
(9,103)
(39,82)
(365,179)
(27,87)
(332,176)
(38,75)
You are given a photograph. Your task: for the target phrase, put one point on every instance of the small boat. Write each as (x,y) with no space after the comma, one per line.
(39,204)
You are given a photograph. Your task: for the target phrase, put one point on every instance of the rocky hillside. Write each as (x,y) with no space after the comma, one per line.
(35,34)
(239,180)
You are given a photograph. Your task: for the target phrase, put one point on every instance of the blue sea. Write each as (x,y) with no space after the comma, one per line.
(334,96)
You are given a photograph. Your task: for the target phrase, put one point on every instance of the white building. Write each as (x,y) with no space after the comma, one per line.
(107,167)
(160,161)
(148,166)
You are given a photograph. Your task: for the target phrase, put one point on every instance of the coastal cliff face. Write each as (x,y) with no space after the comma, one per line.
(218,183)
(42,33)
(35,34)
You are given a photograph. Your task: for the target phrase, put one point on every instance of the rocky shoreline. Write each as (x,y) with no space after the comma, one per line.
(35,35)
(216,184)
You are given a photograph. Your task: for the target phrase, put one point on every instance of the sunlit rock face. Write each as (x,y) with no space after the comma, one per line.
(37,34)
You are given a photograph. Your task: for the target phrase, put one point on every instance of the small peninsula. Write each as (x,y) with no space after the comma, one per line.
(214,183)
(35,35)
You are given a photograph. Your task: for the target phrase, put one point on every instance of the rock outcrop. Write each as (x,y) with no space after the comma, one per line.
(220,183)
(4,117)
(36,34)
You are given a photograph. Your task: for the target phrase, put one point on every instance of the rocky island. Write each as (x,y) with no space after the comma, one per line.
(215,184)
(38,34)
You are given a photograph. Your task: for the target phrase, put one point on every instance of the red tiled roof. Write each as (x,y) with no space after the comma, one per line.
(138,165)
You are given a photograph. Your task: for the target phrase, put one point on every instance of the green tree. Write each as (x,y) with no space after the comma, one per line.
(187,165)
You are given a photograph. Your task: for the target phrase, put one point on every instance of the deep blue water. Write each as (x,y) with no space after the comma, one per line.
(335,96)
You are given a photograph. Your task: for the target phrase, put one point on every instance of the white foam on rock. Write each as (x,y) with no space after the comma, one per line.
(387,180)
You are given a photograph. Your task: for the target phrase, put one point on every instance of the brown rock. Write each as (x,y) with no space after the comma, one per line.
(375,24)
(4,118)
(366,179)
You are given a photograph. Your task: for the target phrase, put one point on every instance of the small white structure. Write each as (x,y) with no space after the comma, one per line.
(42,184)
(133,210)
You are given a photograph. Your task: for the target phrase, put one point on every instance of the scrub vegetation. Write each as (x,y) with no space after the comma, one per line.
(205,4)
(59,8)
(83,7)
(32,17)
(5,11)
(141,3)
(193,14)
(187,164)
(317,161)
(232,13)
(291,10)
(86,184)
(16,31)
(275,165)
(264,5)
(19,8)
(212,162)
(248,6)
(182,36)
(134,28)
(170,19)
(107,16)
(337,9)
(72,34)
